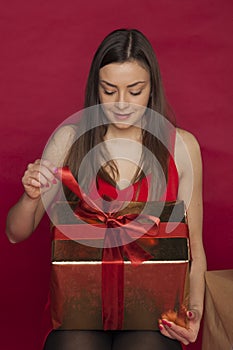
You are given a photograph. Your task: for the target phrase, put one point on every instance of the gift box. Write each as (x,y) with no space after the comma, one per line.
(125,287)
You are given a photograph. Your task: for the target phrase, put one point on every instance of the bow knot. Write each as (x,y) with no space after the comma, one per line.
(111,222)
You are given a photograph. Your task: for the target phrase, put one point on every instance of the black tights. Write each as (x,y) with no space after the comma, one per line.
(110,340)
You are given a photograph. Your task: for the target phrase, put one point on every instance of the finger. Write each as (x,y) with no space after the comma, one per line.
(164,331)
(45,174)
(180,333)
(49,171)
(45,163)
(33,178)
(31,182)
(37,179)
(49,165)
(41,172)
(173,335)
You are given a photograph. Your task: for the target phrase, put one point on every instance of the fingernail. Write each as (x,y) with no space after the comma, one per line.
(47,185)
(166,323)
(55,170)
(160,327)
(54,181)
(190,314)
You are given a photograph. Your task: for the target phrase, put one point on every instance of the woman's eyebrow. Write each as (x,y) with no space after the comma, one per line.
(130,85)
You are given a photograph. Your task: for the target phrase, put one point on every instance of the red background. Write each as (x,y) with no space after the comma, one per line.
(46,51)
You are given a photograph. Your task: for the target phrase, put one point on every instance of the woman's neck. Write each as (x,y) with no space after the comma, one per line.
(131,132)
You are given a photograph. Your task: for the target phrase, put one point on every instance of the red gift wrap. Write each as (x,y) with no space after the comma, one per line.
(95,285)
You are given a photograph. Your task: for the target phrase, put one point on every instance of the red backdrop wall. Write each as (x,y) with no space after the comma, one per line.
(46,50)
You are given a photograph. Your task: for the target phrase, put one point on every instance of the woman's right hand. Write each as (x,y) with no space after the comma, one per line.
(39,178)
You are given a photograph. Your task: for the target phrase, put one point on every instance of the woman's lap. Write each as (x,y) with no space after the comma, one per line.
(143,340)
(112,340)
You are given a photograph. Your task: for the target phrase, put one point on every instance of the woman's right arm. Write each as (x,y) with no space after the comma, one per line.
(39,178)
(26,214)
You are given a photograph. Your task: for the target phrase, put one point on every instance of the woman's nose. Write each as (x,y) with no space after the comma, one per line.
(121,102)
(122,105)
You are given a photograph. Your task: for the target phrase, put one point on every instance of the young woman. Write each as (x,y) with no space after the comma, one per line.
(124,78)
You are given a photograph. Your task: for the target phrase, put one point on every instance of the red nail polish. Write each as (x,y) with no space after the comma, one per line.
(54,181)
(166,323)
(160,327)
(190,314)
(55,170)
(47,185)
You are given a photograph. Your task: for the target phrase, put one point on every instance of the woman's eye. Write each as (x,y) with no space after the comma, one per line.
(109,92)
(135,93)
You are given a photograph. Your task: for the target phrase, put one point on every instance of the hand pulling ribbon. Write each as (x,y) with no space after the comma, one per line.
(113,251)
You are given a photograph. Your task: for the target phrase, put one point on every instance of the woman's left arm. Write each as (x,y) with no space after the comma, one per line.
(189,165)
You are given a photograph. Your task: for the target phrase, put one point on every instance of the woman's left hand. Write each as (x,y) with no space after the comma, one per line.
(184,335)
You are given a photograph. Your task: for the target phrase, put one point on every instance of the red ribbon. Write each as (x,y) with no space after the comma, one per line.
(116,246)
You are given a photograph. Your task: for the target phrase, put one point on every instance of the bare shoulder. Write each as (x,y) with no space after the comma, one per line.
(59,144)
(187,139)
(65,132)
(187,152)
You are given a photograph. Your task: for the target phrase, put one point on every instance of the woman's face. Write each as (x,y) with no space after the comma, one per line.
(125,89)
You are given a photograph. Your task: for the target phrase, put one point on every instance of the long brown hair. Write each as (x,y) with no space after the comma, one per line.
(120,46)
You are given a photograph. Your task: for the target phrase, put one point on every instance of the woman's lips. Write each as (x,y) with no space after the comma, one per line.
(122,116)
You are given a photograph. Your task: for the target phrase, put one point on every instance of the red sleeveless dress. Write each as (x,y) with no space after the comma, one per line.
(139,190)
